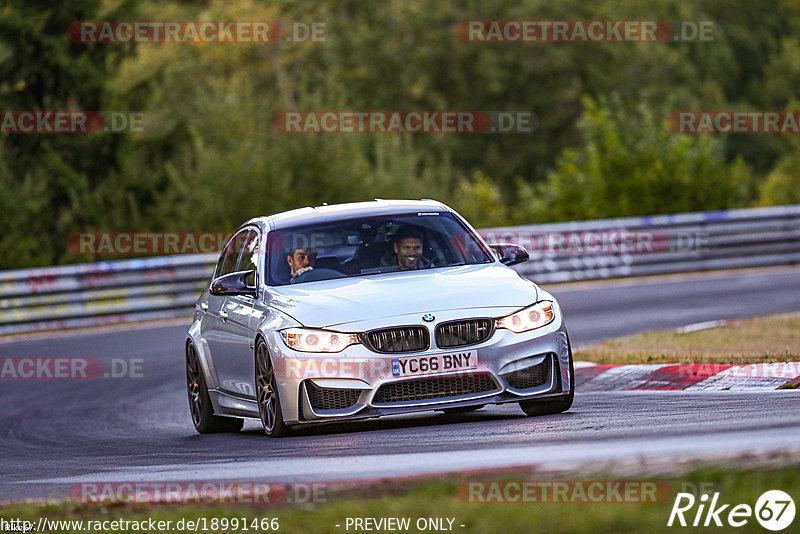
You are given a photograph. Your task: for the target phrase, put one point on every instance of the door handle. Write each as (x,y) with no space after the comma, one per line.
(204,307)
(223,314)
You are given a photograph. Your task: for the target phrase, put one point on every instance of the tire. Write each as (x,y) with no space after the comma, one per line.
(550,407)
(463,409)
(267,397)
(200,407)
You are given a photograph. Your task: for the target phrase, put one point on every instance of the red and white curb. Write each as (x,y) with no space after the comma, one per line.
(687,377)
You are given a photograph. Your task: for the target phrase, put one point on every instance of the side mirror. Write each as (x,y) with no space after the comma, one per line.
(238,283)
(510,254)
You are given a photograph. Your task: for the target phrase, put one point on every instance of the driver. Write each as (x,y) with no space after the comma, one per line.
(300,260)
(408,246)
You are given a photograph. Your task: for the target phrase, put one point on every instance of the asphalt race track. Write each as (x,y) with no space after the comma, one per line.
(54,433)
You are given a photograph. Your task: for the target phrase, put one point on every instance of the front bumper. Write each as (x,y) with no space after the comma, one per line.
(359,383)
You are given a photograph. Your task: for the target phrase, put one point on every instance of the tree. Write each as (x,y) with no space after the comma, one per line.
(630,163)
(782,185)
(49,182)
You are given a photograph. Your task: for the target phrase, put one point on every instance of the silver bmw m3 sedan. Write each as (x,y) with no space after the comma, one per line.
(361,310)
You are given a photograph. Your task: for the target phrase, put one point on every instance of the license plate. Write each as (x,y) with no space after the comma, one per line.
(434,363)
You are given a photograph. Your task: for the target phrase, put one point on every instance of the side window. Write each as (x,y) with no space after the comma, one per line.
(230,255)
(249,257)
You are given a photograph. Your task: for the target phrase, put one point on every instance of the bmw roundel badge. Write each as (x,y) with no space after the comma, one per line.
(428,318)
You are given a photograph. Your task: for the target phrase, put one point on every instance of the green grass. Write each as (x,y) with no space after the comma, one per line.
(440,499)
(760,340)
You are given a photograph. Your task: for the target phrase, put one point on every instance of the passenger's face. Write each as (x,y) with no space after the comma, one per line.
(408,251)
(302,257)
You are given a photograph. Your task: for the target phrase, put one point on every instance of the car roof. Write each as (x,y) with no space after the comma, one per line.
(333,212)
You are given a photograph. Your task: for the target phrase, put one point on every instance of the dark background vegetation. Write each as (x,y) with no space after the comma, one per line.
(209,157)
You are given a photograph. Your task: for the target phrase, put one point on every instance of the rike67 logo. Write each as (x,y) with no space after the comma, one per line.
(774,510)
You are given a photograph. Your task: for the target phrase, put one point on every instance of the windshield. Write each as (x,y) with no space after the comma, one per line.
(366,246)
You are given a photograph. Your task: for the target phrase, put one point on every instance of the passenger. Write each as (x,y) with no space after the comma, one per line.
(407,244)
(301,260)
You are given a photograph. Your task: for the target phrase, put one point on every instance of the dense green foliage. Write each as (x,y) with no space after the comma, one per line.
(635,166)
(209,156)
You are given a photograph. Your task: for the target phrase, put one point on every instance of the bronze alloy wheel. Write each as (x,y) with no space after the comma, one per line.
(193,384)
(205,422)
(269,404)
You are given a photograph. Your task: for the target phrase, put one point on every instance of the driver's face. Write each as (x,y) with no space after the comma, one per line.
(408,251)
(302,257)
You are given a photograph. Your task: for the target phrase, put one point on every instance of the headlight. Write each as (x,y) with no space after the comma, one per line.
(307,340)
(536,316)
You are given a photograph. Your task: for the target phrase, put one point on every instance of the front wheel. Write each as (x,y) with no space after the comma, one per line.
(550,407)
(269,403)
(205,422)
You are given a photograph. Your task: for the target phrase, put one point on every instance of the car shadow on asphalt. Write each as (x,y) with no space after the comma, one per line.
(418,420)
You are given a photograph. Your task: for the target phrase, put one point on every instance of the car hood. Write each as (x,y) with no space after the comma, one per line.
(344,300)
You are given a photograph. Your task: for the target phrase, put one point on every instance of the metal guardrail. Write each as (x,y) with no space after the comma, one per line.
(160,287)
(91,294)
(676,243)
